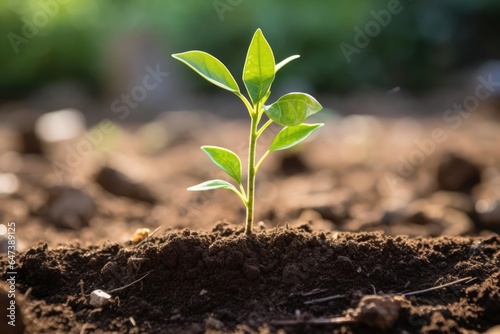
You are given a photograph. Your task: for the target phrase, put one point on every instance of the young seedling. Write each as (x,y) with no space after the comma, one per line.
(290,111)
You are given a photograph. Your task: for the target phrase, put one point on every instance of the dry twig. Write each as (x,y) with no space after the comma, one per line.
(468,279)
(317,321)
(130,284)
(352,320)
(324,299)
(314,292)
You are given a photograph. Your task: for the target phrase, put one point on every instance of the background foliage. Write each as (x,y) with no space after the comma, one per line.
(419,47)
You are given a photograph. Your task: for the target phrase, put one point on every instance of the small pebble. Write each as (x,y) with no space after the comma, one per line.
(140,234)
(380,312)
(117,183)
(60,125)
(489,211)
(70,207)
(212,323)
(98,298)
(9,184)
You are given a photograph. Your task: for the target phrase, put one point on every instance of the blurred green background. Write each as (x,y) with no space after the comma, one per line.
(420,46)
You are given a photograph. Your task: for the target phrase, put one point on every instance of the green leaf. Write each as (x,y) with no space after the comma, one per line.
(292,135)
(210,68)
(227,160)
(258,72)
(284,62)
(293,109)
(213,184)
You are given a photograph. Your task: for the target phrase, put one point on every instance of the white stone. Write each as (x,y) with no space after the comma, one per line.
(60,125)
(98,298)
(9,184)
(489,211)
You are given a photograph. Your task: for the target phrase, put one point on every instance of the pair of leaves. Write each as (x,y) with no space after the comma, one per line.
(258,75)
(229,162)
(258,72)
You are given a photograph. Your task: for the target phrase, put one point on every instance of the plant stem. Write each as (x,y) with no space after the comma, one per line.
(269,122)
(247,104)
(251,171)
(240,195)
(261,160)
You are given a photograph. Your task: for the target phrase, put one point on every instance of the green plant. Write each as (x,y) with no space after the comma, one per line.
(290,111)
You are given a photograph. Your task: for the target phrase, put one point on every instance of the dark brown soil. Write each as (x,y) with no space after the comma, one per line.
(227,282)
(389,228)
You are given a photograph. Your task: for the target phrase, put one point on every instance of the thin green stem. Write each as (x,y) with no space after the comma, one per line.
(247,104)
(264,127)
(261,160)
(242,189)
(240,195)
(251,170)
(259,112)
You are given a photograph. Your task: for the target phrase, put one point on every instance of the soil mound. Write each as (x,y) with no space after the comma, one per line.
(224,281)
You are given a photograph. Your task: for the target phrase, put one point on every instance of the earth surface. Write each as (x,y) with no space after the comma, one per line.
(372,225)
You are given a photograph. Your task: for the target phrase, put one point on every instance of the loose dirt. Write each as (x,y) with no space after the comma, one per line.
(348,226)
(227,282)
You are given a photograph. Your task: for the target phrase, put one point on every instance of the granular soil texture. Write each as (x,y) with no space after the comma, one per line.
(273,281)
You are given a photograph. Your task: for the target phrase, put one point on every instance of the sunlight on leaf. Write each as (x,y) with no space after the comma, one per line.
(292,135)
(227,160)
(212,184)
(259,70)
(210,68)
(293,109)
